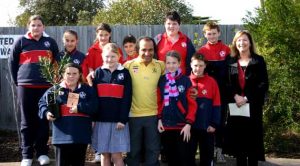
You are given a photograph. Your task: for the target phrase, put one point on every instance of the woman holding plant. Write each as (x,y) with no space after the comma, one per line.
(71,131)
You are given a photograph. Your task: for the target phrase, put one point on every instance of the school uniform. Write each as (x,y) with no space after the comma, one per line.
(208,114)
(26,74)
(175,113)
(183,45)
(114,98)
(216,55)
(71,133)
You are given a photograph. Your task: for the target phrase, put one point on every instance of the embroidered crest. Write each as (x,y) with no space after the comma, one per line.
(154,70)
(222,53)
(181,88)
(82,95)
(121,76)
(204,92)
(135,69)
(47,44)
(183,44)
(76,61)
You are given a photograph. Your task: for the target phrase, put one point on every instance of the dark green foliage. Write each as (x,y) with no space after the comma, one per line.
(136,12)
(60,12)
(277,35)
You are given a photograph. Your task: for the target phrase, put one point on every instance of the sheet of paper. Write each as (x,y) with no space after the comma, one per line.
(72,99)
(244,110)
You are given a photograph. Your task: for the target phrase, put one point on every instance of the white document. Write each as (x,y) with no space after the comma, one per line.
(244,110)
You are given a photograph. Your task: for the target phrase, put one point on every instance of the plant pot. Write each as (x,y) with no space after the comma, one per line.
(54,109)
(53,106)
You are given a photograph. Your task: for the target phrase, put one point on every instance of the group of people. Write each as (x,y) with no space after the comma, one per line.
(163,97)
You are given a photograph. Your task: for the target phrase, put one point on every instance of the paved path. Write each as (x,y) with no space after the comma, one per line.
(230,162)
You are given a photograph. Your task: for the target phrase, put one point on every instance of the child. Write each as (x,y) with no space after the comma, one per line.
(111,131)
(129,45)
(93,56)
(176,111)
(71,133)
(208,112)
(215,53)
(25,71)
(174,39)
(70,40)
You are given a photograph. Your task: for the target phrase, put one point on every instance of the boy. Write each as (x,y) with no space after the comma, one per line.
(208,111)
(129,45)
(215,53)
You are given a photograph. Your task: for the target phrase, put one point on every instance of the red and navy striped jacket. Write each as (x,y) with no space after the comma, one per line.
(208,100)
(114,94)
(24,59)
(182,109)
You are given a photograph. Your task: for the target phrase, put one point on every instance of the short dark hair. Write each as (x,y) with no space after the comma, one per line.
(174,16)
(35,17)
(129,39)
(147,38)
(200,57)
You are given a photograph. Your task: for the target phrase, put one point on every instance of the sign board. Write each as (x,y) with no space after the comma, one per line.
(6,43)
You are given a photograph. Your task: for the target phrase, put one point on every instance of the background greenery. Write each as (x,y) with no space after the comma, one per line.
(275,27)
(277,35)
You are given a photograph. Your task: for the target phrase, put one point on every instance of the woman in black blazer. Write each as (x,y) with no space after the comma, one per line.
(247,83)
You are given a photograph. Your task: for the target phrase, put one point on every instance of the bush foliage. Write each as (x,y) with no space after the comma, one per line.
(276,31)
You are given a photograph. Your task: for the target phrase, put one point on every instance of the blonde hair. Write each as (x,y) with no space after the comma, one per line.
(112,47)
(234,51)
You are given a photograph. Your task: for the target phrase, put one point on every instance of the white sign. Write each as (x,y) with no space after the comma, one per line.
(6,43)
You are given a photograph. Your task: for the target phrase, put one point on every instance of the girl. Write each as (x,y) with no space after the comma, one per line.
(176,111)
(71,133)
(111,131)
(70,40)
(25,71)
(93,56)
(208,112)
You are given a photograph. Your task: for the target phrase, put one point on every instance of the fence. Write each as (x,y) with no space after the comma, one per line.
(9,114)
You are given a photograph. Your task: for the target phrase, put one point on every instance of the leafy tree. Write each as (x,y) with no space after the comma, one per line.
(142,12)
(277,34)
(60,12)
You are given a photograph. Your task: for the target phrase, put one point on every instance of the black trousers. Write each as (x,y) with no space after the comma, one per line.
(70,154)
(205,141)
(34,131)
(177,151)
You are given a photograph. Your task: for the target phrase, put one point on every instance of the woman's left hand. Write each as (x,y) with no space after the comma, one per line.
(120,126)
(186,131)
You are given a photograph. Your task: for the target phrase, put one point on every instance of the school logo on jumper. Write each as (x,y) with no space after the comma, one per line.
(183,44)
(204,92)
(222,53)
(135,69)
(47,44)
(82,95)
(76,61)
(121,76)
(61,93)
(181,88)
